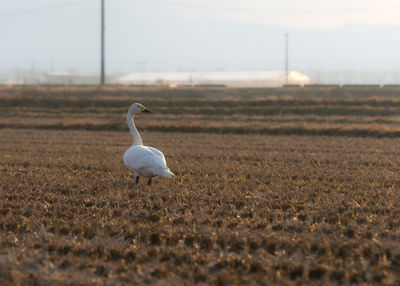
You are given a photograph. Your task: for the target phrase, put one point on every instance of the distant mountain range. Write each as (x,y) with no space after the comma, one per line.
(172,41)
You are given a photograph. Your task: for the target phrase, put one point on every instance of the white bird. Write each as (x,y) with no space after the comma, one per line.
(144,161)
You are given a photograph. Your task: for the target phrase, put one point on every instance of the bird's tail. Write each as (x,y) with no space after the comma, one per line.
(166,173)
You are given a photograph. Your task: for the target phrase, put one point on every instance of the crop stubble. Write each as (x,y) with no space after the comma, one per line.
(333,111)
(242,209)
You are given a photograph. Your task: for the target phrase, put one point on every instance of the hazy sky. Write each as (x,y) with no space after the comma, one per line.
(313,14)
(200,34)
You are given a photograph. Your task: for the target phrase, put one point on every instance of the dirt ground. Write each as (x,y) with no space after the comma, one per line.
(242,209)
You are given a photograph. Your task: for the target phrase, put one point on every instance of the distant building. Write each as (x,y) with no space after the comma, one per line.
(215,78)
(71,78)
(68,78)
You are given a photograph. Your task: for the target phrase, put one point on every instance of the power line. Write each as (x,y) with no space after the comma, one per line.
(49,37)
(275,11)
(41,8)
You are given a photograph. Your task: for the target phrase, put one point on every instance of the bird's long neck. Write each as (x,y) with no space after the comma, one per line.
(137,140)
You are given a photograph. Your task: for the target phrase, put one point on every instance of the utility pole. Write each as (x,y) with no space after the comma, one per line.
(102,74)
(52,65)
(287,58)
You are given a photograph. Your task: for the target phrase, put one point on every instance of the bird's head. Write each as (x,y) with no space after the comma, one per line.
(137,107)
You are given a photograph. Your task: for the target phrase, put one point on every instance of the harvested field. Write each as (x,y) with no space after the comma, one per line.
(243,209)
(298,111)
(259,197)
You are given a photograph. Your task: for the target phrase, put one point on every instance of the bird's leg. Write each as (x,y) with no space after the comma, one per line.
(137,180)
(149,182)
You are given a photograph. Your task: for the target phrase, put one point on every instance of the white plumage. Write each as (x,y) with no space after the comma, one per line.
(143,161)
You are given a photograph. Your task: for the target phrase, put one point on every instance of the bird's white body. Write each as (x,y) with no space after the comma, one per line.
(143,161)
(146,162)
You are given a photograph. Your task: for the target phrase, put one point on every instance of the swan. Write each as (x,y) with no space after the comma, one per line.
(144,161)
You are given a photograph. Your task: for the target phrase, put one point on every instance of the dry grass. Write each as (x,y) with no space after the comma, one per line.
(305,112)
(308,93)
(243,209)
(283,210)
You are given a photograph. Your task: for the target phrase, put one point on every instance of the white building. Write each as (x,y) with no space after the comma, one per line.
(70,78)
(227,78)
